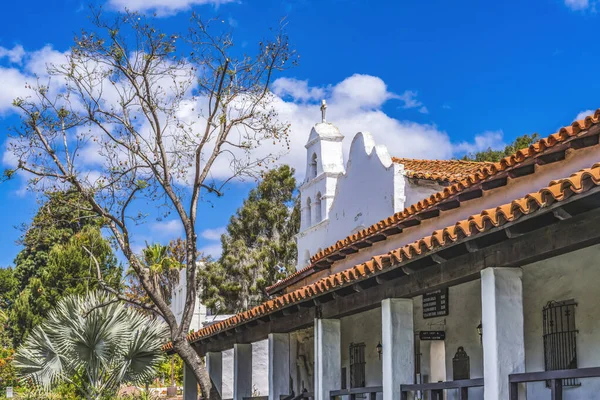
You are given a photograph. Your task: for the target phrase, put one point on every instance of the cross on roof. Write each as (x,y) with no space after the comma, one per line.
(323,110)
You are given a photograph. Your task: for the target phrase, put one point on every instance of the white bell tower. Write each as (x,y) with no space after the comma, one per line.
(324,164)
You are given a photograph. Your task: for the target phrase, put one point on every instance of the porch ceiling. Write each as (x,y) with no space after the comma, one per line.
(560,218)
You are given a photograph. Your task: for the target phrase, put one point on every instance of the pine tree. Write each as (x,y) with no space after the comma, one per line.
(54,261)
(259,246)
(490,155)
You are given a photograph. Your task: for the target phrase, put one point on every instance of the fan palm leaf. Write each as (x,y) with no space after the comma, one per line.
(94,342)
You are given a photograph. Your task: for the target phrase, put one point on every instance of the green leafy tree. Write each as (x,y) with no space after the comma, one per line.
(490,155)
(55,261)
(7,371)
(62,215)
(94,343)
(259,246)
(120,92)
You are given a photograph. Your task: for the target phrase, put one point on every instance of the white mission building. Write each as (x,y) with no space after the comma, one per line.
(425,279)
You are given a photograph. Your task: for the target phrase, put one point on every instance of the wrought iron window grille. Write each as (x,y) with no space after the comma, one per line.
(357,366)
(560,338)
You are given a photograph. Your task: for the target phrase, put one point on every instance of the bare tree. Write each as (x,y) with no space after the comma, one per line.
(137,115)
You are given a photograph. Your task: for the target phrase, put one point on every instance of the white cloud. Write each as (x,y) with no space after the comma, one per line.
(13,86)
(354,104)
(213,250)
(483,141)
(162,7)
(409,97)
(14,80)
(577,4)
(297,90)
(14,55)
(169,229)
(213,234)
(584,114)
(362,91)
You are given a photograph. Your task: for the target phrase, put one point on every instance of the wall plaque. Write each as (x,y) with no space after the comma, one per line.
(435,304)
(461,365)
(432,335)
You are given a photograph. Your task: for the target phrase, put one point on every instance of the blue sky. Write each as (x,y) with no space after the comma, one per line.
(430,79)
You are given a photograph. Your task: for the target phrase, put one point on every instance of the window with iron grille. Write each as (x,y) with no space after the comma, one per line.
(560,338)
(357,365)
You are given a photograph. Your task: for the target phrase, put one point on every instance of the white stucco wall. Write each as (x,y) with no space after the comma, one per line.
(460,326)
(363,328)
(260,368)
(371,189)
(227,378)
(571,276)
(515,188)
(178,304)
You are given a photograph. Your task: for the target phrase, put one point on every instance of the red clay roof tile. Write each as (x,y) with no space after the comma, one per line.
(439,170)
(557,191)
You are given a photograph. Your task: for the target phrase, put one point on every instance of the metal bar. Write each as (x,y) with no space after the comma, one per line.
(358,390)
(556,388)
(463,393)
(557,374)
(514,391)
(443,385)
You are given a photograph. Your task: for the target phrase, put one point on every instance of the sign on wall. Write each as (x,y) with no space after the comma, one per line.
(432,335)
(435,304)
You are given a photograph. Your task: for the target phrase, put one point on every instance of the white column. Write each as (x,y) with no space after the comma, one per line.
(502,323)
(214,365)
(260,368)
(242,371)
(190,385)
(227,377)
(397,341)
(328,357)
(279,365)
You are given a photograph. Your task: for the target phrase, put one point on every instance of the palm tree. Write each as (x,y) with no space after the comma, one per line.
(94,342)
(163,267)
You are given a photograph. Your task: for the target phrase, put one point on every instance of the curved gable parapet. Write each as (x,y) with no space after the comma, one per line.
(371,188)
(363,144)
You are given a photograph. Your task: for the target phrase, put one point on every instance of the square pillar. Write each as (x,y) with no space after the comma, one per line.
(328,357)
(227,377)
(503,329)
(214,366)
(279,365)
(242,371)
(260,368)
(190,385)
(397,341)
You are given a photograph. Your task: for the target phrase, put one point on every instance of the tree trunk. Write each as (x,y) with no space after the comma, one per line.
(194,361)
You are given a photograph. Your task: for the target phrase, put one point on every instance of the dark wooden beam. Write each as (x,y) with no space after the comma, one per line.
(561,214)
(437,258)
(561,237)
(471,246)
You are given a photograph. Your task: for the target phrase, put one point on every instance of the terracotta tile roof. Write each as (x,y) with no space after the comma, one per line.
(439,170)
(556,191)
(477,177)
